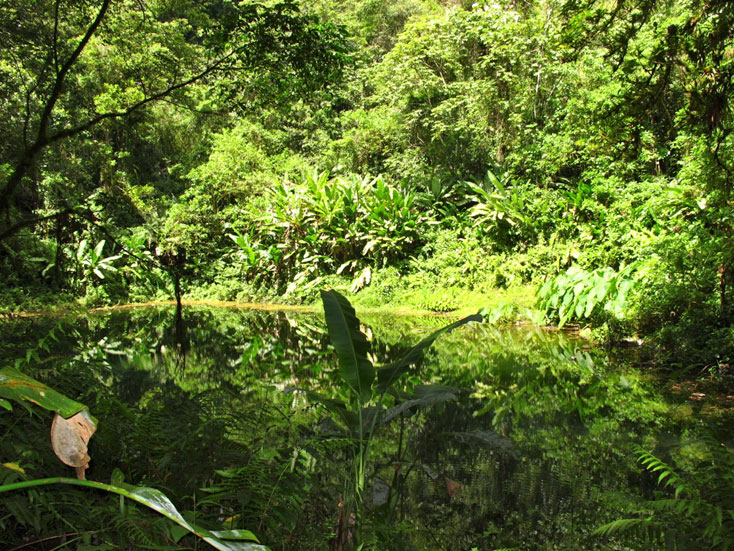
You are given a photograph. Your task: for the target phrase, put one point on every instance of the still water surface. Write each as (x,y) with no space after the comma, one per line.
(534,451)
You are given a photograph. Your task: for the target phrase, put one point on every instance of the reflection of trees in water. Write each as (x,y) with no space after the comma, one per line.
(534,445)
(173,428)
(476,488)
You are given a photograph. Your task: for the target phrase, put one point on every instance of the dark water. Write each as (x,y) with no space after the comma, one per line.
(534,452)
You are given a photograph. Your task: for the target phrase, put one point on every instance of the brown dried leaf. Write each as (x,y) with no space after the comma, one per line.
(69,438)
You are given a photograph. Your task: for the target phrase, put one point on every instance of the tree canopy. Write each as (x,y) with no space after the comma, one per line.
(69,67)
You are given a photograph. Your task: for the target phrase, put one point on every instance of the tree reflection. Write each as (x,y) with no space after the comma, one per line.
(533,454)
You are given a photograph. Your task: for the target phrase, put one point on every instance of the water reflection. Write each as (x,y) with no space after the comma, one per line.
(533,453)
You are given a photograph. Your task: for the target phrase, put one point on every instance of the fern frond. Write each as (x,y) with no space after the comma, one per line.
(623,525)
(667,475)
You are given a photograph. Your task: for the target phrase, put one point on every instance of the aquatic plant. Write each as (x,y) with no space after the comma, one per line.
(365,410)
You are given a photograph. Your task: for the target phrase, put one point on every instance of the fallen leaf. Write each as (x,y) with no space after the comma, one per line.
(69,438)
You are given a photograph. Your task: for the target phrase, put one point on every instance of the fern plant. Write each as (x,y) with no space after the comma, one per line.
(697,508)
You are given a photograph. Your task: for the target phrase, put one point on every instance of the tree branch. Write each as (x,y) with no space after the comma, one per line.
(44,140)
(30,153)
(61,76)
(727,171)
(56,36)
(20,224)
(69,132)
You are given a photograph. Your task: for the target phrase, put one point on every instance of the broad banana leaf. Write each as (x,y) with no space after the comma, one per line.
(427,396)
(350,343)
(337,407)
(226,540)
(19,387)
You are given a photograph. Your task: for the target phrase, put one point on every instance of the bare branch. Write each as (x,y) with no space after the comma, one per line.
(56,36)
(727,171)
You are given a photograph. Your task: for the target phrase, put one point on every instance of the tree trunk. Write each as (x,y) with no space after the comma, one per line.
(725,308)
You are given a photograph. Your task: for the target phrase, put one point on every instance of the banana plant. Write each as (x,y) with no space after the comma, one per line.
(368,386)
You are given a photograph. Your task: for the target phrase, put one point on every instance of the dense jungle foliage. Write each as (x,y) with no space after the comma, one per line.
(569,162)
(418,152)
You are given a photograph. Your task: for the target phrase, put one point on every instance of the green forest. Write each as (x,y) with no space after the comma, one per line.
(417,153)
(549,163)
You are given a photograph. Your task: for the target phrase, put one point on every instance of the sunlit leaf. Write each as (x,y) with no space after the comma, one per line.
(98,249)
(350,344)
(17,386)
(228,540)
(14,467)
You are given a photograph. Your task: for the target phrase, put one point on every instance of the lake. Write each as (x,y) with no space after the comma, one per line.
(532,445)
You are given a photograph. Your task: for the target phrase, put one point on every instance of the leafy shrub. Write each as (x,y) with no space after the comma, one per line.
(323,225)
(81,266)
(499,209)
(437,300)
(578,294)
(240,163)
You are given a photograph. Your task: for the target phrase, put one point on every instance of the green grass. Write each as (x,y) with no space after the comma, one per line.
(390,292)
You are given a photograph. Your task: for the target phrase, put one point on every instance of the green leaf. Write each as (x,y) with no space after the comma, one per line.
(592,301)
(337,407)
(621,525)
(581,304)
(350,343)
(118,477)
(178,532)
(14,385)
(81,249)
(430,397)
(228,540)
(99,248)
(242,535)
(388,374)
(5,404)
